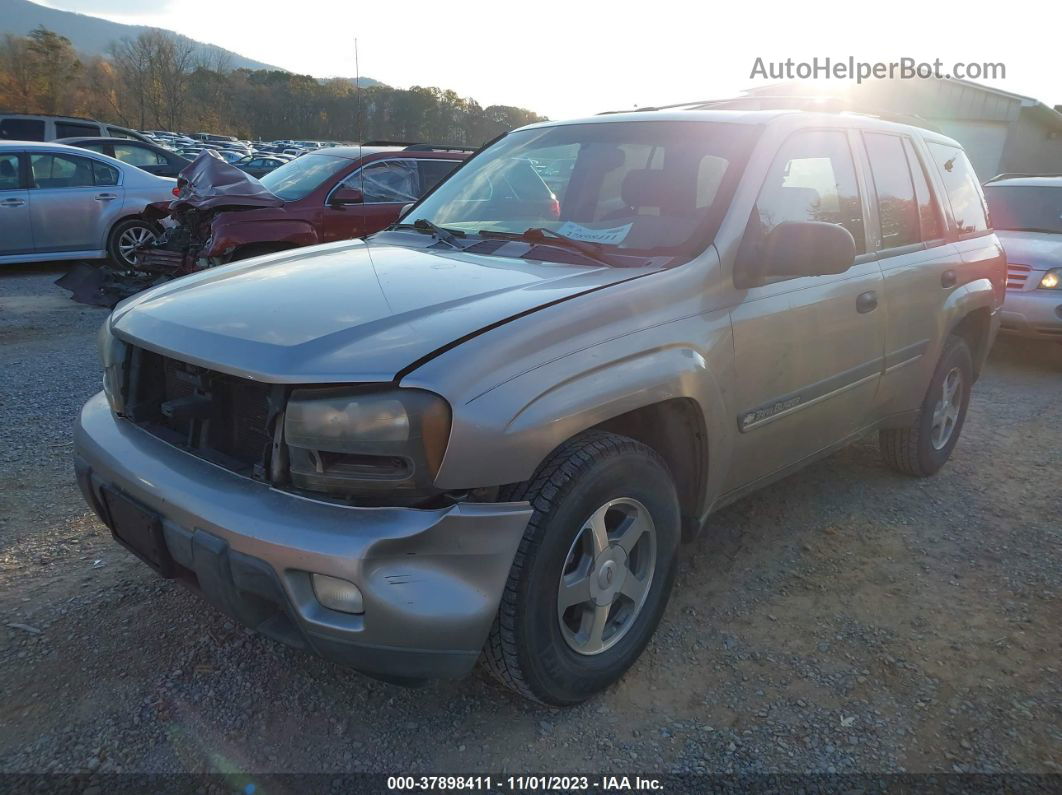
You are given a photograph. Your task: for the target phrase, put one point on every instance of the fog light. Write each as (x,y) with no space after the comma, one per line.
(337,594)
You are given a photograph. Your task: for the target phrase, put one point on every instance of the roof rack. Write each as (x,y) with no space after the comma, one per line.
(410,146)
(1018,176)
(794,102)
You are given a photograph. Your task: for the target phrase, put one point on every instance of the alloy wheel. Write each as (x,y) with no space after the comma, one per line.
(946,411)
(131,239)
(606,576)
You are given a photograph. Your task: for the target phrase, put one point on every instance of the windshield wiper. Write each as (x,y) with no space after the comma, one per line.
(443,235)
(1031,229)
(547,237)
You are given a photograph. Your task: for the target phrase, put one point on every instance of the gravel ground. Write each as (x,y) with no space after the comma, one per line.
(847,619)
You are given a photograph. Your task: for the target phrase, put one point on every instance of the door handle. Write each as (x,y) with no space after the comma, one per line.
(12,203)
(106,197)
(867,302)
(948,278)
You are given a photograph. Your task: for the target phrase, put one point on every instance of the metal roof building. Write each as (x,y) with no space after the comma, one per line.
(1001,131)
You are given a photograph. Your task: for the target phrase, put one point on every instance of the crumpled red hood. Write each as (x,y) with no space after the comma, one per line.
(208,181)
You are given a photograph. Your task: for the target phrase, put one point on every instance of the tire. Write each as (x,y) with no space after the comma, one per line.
(532,647)
(923,448)
(123,235)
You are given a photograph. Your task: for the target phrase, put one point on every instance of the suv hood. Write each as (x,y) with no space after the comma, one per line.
(343,312)
(1038,250)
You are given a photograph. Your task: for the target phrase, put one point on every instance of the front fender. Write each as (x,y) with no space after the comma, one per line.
(504,434)
(227,236)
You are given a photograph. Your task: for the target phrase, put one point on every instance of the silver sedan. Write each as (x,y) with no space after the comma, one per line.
(61,202)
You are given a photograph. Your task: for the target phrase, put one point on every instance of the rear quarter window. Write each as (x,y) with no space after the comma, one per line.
(21,129)
(962,187)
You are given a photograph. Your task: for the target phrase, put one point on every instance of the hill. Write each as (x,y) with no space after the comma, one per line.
(92,35)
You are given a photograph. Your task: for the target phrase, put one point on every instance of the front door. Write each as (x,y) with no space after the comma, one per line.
(16,232)
(808,350)
(386,186)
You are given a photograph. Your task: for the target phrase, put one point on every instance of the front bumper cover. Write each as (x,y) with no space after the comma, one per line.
(1033,313)
(431,579)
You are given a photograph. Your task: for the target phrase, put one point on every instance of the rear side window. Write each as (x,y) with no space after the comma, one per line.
(964,192)
(897,208)
(22,129)
(812,178)
(9,171)
(104,174)
(61,171)
(137,155)
(66,129)
(928,213)
(432,172)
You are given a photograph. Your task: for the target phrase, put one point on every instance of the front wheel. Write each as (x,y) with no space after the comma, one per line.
(126,237)
(593,573)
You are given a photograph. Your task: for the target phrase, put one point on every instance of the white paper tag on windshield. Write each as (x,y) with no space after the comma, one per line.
(610,237)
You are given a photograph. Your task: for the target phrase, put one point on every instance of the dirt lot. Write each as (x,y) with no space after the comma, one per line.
(848,619)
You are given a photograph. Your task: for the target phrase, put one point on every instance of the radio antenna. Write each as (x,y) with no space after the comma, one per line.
(357,112)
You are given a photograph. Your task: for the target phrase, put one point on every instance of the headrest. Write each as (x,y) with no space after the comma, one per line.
(644,187)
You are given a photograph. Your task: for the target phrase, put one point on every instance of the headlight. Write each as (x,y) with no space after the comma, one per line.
(1052,280)
(356,441)
(112,357)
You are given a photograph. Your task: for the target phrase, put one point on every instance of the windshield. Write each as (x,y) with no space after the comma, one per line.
(298,178)
(645,188)
(1018,207)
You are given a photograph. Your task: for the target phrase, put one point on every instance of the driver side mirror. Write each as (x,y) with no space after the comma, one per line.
(808,248)
(342,196)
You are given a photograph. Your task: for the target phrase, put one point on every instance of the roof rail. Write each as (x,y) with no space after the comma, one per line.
(411,146)
(1018,176)
(793,102)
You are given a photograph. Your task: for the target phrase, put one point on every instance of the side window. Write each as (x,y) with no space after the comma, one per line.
(432,172)
(387,182)
(928,212)
(61,171)
(9,171)
(104,174)
(964,192)
(22,130)
(117,132)
(812,178)
(137,155)
(94,147)
(66,129)
(895,190)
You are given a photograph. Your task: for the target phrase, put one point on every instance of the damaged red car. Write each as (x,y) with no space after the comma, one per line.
(223,214)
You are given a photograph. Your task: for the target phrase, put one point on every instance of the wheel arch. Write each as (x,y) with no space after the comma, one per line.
(975,328)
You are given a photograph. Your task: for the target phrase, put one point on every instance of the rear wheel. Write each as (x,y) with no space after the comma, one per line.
(924,447)
(126,237)
(593,573)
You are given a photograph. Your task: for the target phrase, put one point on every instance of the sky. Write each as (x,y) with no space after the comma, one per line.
(580,57)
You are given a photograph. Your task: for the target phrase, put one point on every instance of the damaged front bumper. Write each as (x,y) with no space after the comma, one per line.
(431,579)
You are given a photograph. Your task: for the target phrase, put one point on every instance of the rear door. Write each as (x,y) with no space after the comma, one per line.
(808,350)
(920,266)
(16,230)
(73,201)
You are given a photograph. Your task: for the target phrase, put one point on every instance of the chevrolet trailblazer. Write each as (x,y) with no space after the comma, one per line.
(486,429)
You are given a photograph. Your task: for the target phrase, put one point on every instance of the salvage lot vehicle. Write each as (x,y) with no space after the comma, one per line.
(260,165)
(58,203)
(27,127)
(487,429)
(1027,215)
(337,194)
(151,158)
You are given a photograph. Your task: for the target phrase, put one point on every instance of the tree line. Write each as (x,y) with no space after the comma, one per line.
(160,81)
